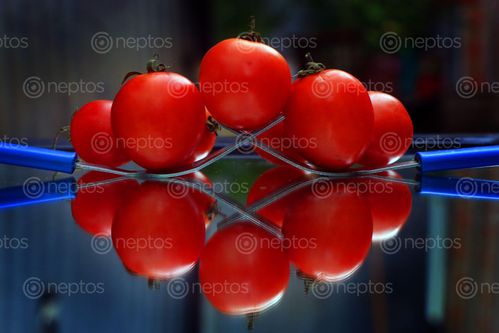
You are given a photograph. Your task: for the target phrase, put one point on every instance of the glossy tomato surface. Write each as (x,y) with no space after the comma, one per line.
(271,182)
(245,84)
(393,131)
(158,233)
(332,112)
(159,118)
(250,264)
(92,135)
(331,228)
(277,139)
(390,203)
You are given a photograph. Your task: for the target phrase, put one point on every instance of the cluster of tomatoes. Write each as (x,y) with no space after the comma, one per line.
(162,121)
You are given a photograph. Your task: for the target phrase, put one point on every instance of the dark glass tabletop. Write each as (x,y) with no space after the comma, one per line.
(347,255)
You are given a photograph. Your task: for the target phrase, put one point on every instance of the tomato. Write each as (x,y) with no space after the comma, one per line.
(206,204)
(272,181)
(249,264)
(158,234)
(393,131)
(245,84)
(160,119)
(332,233)
(94,207)
(331,109)
(276,138)
(390,203)
(92,135)
(206,143)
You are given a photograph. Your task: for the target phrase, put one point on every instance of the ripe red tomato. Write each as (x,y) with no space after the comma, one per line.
(277,139)
(245,84)
(332,233)
(390,203)
(94,207)
(206,143)
(248,263)
(158,234)
(270,182)
(92,135)
(332,111)
(160,118)
(393,131)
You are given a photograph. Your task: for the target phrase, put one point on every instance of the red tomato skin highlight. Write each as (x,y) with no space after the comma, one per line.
(256,82)
(92,135)
(392,134)
(332,110)
(160,118)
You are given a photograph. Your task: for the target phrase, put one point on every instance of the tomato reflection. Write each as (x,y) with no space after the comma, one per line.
(334,223)
(270,182)
(94,207)
(159,232)
(390,203)
(251,266)
(206,203)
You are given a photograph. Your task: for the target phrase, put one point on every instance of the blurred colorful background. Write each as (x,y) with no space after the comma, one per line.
(438,57)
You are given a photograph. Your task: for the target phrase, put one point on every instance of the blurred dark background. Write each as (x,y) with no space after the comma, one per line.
(438,57)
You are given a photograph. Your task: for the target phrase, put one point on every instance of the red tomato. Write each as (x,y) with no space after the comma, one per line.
(250,266)
(390,204)
(245,84)
(158,234)
(160,118)
(277,139)
(206,204)
(94,207)
(332,233)
(206,143)
(270,182)
(392,134)
(332,111)
(92,135)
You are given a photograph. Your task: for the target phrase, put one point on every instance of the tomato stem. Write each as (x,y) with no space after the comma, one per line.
(251,35)
(213,125)
(153,65)
(63,129)
(311,67)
